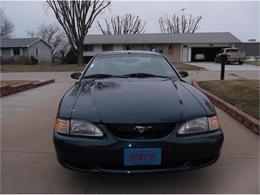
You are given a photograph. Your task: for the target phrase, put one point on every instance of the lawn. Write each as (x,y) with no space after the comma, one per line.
(13,82)
(257,63)
(244,94)
(187,67)
(41,68)
(67,68)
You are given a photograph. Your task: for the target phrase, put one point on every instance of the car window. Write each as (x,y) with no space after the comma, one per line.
(130,63)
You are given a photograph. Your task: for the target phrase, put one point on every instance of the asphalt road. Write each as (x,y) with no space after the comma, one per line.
(29,165)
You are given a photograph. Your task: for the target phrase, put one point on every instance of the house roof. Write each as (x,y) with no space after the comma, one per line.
(128,52)
(160,38)
(19,42)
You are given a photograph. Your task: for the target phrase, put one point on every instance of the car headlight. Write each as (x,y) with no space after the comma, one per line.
(84,128)
(199,125)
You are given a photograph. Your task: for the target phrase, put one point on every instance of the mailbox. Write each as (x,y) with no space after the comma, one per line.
(223,60)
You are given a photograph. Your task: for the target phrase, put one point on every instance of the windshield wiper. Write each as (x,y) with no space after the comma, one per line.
(102,76)
(144,75)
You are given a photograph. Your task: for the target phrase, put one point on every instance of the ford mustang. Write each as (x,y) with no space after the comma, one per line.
(132,112)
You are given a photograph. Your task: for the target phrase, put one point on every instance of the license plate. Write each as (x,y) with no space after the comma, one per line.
(142,156)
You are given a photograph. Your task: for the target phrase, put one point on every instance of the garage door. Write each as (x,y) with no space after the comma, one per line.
(204,53)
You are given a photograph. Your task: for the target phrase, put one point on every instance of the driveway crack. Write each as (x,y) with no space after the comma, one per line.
(90,183)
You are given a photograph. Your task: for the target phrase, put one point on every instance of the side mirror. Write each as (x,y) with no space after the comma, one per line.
(183,74)
(75,75)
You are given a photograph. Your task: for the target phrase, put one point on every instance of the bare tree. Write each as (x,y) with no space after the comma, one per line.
(76,17)
(6,26)
(54,36)
(126,24)
(179,23)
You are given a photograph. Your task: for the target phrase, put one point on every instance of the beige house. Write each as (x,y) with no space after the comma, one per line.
(185,47)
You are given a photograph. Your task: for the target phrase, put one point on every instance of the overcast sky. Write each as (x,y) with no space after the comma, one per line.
(240,18)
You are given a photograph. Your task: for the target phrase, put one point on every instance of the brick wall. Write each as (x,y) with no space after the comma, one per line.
(172,52)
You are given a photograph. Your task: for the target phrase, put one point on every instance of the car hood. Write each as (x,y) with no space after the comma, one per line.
(149,100)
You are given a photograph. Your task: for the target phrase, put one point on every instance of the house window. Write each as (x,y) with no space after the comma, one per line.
(148,47)
(16,51)
(36,51)
(126,47)
(107,47)
(88,48)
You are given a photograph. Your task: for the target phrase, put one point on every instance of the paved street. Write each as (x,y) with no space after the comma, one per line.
(217,66)
(29,165)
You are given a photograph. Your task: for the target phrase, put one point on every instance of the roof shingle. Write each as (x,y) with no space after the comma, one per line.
(17,42)
(161,38)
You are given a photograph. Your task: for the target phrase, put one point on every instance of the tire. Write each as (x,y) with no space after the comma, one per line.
(240,62)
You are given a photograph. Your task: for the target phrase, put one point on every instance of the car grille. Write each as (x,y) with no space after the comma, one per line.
(135,131)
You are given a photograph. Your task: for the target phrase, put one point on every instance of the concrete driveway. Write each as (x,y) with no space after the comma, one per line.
(216,67)
(29,165)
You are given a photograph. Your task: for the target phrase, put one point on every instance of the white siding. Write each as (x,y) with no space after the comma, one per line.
(118,47)
(98,48)
(209,45)
(44,52)
(185,54)
(12,52)
(6,54)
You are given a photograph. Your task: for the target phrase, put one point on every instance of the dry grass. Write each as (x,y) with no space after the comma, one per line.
(41,68)
(13,82)
(68,68)
(244,94)
(187,67)
(257,63)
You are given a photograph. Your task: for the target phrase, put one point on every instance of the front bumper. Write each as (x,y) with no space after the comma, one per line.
(179,153)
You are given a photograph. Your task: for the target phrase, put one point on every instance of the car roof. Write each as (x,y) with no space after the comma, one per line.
(128,52)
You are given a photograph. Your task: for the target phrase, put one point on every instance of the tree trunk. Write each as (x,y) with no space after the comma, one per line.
(62,58)
(80,56)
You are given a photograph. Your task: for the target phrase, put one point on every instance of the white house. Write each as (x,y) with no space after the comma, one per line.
(22,50)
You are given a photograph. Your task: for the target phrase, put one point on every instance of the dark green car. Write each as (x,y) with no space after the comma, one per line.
(131,112)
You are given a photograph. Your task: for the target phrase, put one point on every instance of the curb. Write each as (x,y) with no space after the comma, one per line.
(11,89)
(242,117)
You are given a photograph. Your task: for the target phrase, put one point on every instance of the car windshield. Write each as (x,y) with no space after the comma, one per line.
(130,65)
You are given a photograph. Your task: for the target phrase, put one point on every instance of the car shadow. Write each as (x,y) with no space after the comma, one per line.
(183,182)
